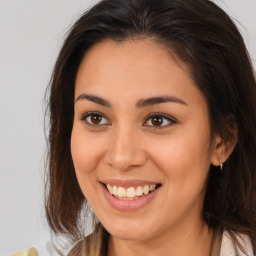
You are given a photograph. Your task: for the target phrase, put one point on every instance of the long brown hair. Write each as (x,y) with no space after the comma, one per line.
(204,37)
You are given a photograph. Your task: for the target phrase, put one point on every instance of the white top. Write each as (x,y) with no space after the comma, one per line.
(228,248)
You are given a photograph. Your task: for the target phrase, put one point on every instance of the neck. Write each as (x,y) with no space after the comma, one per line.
(192,241)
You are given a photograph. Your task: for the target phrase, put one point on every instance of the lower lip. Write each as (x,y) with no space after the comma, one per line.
(128,205)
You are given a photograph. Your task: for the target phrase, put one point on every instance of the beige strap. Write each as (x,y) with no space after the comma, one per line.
(29,252)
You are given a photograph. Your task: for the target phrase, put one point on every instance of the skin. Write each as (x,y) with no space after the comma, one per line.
(126,145)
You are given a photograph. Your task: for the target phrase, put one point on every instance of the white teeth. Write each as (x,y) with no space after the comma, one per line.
(110,189)
(146,189)
(139,191)
(121,192)
(152,187)
(128,198)
(114,190)
(130,193)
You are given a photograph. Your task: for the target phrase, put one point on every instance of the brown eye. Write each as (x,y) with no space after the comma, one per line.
(94,119)
(157,121)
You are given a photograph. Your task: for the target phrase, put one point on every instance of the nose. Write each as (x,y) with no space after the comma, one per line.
(126,150)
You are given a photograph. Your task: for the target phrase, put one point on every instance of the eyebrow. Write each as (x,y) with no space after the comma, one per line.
(94,99)
(159,100)
(141,103)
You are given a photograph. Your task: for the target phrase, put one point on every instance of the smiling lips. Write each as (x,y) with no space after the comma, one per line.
(130,193)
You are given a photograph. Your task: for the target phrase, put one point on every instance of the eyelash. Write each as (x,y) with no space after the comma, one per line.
(170,120)
(90,114)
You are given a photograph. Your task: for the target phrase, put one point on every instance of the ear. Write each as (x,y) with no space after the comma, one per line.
(222,149)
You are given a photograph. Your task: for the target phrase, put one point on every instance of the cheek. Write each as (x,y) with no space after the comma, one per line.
(86,153)
(185,163)
(183,157)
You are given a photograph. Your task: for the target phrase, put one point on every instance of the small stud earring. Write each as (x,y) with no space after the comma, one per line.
(220,175)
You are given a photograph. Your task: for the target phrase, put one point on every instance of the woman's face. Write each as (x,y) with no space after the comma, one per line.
(141,132)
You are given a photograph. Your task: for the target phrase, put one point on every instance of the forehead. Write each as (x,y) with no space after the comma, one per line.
(134,69)
(136,56)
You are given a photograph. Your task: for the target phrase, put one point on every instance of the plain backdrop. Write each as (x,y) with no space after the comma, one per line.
(31,34)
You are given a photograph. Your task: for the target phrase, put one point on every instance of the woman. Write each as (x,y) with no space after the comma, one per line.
(152,124)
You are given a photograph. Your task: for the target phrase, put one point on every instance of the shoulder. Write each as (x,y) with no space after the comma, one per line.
(229,248)
(29,252)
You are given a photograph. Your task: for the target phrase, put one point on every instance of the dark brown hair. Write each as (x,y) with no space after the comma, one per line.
(203,36)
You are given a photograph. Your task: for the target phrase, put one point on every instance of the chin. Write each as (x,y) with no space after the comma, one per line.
(129,231)
(130,235)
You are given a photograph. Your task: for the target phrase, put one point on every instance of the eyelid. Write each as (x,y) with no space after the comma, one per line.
(90,113)
(164,116)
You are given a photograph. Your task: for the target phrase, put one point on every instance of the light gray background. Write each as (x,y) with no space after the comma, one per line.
(31,33)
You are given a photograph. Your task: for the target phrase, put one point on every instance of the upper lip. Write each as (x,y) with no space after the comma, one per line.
(128,183)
